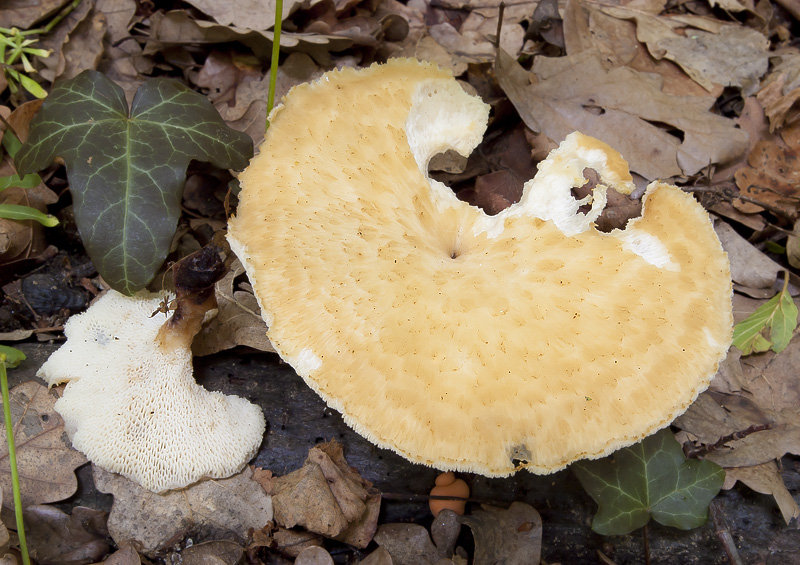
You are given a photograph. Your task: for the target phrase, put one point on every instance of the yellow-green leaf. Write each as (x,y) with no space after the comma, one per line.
(778,318)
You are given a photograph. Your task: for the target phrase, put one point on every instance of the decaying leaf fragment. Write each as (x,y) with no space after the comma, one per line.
(209,510)
(45,457)
(328,497)
(512,536)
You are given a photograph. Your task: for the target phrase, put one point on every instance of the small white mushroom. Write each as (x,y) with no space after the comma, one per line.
(131,403)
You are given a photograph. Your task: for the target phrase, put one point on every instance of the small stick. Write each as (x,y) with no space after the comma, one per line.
(695,452)
(724,535)
(499,25)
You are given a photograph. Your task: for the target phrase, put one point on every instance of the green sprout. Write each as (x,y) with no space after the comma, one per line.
(12,357)
(16,49)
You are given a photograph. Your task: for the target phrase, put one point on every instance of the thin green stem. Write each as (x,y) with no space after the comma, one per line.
(273,65)
(12,459)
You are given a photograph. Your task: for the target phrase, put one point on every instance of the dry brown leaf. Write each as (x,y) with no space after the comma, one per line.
(328,497)
(780,91)
(749,266)
(727,55)
(587,27)
(24,14)
(427,49)
(217,552)
(765,479)
(125,555)
(85,46)
(410,543)
(248,112)
(247,14)
(378,557)
(238,320)
(45,457)
(620,107)
(511,536)
(772,178)
(176,28)
(56,40)
(208,510)
(56,537)
(313,556)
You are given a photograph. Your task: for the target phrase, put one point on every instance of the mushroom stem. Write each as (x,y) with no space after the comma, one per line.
(195,276)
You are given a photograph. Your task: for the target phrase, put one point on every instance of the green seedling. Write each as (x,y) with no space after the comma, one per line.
(10,357)
(16,49)
(15,211)
(778,318)
(652,479)
(127,167)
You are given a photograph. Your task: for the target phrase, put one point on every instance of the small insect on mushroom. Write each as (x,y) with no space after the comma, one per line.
(349,246)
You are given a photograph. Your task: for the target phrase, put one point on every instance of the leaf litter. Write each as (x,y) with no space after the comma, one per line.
(649,81)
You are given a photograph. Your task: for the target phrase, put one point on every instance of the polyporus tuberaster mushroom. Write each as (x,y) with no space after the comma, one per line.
(132,406)
(460,340)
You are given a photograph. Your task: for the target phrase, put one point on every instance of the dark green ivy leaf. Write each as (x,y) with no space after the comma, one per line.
(127,168)
(650,479)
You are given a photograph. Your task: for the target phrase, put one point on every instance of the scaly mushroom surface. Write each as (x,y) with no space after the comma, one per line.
(460,340)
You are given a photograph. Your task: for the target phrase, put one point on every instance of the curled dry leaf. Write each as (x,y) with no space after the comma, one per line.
(765,479)
(328,497)
(410,544)
(511,536)
(209,510)
(238,320)
(57,537)
(45,458)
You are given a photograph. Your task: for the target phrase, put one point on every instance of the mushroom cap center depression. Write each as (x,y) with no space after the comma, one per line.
(461,340)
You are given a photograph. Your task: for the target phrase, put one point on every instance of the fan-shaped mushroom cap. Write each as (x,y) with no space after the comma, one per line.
(461,340)
(133,407)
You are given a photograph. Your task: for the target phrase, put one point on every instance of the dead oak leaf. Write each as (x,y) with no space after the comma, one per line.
(772,178)
(708,51)
(208,510)
(249,14)
(623,108)
(45,458)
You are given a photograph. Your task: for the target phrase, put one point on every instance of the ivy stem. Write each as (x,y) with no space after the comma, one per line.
(12,459)
(273,65)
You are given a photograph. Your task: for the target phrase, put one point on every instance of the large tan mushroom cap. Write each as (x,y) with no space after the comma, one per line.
(456,339)
(133,407)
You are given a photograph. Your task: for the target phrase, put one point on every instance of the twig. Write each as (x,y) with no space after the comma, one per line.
(499,25)
(695,452)
(724,535)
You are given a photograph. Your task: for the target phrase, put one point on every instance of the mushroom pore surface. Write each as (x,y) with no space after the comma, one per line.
(465,341)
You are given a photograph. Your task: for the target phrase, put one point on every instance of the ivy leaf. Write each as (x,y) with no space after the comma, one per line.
(652,479)
(127,168)
(778,315)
